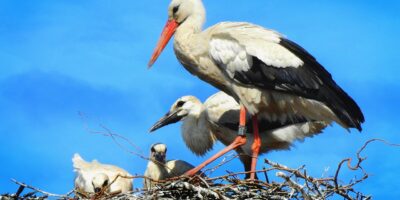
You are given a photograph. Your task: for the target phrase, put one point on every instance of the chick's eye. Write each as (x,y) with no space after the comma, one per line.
(180,103)
(175,9)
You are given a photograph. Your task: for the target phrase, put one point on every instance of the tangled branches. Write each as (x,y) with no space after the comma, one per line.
(288,183)
(294,184)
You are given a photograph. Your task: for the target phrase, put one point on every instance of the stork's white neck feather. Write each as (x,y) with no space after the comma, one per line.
(196,132)
(191,47)
(156,170)
(192,25)
(190,28)
(194,21)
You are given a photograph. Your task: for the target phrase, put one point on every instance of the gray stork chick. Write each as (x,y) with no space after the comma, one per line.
(160,169)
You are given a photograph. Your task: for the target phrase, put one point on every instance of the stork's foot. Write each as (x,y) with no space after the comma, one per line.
(239,141)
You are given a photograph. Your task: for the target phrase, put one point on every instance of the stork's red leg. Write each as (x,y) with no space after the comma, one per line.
(239,141)
(255,147)
(242,121)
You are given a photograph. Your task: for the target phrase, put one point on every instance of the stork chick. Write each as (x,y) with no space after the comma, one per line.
(93,177)
(160,169)
(216,119)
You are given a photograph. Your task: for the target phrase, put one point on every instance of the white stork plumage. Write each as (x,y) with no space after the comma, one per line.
(217,119)
(268,74)
(93,177)
(160,169)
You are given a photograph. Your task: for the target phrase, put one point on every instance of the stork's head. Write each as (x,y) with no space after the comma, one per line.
(99,182)
(182,107)
(158,152)
(180,12)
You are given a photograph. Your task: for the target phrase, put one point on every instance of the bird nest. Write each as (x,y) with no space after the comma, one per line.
(290,184)
(281,182)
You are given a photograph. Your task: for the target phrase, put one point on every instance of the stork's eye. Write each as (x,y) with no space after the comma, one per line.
(180,104)
(175,9)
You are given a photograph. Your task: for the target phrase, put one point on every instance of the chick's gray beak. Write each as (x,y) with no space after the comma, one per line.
(169,118)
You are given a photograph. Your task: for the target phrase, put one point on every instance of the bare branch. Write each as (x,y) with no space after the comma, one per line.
(39,190)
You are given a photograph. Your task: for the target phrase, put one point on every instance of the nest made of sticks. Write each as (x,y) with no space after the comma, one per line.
(288,183)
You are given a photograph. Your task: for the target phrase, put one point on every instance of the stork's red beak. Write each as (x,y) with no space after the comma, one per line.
(166,35)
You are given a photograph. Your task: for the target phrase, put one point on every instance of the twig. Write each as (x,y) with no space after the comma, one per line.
(359,161)
(294,185)
(266,175)
(108,133)
(224,161)
(39,190)
(20,190)
(234,174)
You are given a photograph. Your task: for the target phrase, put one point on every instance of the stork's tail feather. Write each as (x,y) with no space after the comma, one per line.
(308,129)
(317,127)
(346,108)
(298,132)
(334,96)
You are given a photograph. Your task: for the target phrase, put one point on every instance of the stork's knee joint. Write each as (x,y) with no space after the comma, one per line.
(256,146)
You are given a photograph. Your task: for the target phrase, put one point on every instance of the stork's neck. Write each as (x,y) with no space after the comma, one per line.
(196,132)
(191,26)
(156,162)
(157,170)
(194,22)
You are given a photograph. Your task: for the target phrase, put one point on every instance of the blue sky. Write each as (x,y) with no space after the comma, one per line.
(59,58)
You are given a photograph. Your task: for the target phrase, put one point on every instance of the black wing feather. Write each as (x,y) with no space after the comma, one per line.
(311,80)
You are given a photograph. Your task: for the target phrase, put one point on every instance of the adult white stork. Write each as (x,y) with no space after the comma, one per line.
(268,74)
(217,119)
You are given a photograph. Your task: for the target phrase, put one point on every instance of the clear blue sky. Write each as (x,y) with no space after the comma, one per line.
(58,58)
